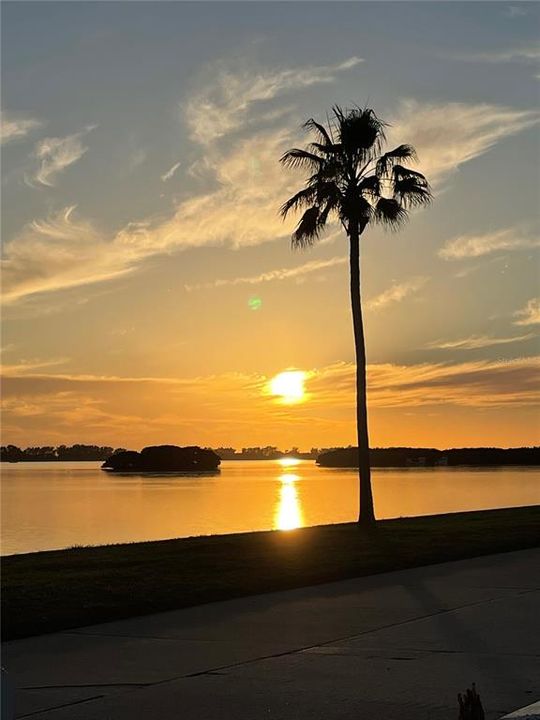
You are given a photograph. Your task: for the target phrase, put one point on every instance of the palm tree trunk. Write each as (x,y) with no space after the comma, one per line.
(366,514)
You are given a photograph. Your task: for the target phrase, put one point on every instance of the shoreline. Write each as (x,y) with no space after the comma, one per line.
(375,466)
(60,589)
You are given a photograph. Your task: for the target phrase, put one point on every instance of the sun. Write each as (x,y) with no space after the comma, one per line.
(289,386)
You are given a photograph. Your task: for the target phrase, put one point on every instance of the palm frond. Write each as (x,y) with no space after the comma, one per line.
(347,174)
(327,190)
(329,149)
(312,126)
(300,158)
(399,172)
(308,229)
(390,213)
(412,191)
(355,208)
(330,201)
(370,184)
(404,153)
(303,198)
(360,130)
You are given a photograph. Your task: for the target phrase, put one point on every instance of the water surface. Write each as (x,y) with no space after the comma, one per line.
(57,505)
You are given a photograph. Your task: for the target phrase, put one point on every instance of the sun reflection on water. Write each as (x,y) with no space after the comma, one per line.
(288,461)
(288,513)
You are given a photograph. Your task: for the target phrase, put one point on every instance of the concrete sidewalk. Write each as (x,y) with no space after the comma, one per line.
(397,646)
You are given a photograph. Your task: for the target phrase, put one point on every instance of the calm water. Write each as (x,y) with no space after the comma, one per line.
(55,505)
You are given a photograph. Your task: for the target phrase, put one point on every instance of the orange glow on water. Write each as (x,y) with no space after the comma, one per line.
(288,510)
(288,462)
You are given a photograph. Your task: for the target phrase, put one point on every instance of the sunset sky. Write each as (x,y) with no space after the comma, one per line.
(150,293)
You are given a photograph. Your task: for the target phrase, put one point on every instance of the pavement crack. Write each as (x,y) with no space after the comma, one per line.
(295,651)
(63,705)
(91,685)
(81,633)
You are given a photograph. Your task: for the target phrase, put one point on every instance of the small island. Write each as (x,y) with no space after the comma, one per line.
(163,458)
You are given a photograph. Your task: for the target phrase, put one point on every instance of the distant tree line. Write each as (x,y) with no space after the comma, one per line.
(326,457)
(430,457)
(12,453)
(268,452)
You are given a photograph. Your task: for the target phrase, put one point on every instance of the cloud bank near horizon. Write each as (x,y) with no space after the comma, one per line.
(166,407)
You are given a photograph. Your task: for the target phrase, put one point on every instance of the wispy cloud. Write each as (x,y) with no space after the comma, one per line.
(514,11)
(55,154)
(529,54)
(15,127)
(223,105)
(483,383)
(63,250)
(59,252)
(26,367)
(530,314)
(271,275)
(475,342)
(447,135)
(495,260)
(247,182)
(137,158)
(396,293)
(472,246)
(170,172)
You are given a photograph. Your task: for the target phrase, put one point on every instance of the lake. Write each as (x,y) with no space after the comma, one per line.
(57,505)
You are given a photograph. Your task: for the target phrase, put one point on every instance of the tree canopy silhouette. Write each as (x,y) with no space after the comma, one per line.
(352,179)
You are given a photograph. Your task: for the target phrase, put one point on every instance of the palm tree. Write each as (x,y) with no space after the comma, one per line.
(351,178)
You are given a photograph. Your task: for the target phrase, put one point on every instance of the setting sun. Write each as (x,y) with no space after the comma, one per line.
(289,386)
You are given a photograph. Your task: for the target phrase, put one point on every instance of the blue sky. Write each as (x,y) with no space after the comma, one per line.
(140,190)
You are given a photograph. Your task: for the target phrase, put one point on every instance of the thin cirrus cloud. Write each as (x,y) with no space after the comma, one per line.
(515,11)
(523,54)
(473,246)
(248,183)
(64,250)
(223,105)
(59,252)
(15,126)
(483,383)
(54,154)
(476,342)
(24,367)
(396,293)
(530,314)
(447,135)
(171,172)
(299,271)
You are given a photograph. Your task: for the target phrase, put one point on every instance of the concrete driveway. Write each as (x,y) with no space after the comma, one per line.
(397,646)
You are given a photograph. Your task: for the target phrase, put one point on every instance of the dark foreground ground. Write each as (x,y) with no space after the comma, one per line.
(393,646)
(48,591)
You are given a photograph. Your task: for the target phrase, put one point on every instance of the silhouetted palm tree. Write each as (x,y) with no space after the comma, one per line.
(352,179)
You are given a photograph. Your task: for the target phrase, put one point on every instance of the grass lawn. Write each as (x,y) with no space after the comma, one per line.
(54,590)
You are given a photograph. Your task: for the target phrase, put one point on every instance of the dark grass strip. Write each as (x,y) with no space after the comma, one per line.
(56,590)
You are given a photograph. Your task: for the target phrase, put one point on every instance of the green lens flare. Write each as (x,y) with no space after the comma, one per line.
(254,303)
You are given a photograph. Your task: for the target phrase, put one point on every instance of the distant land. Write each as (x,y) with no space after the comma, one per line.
(430,457)
(79,452)
(325,457)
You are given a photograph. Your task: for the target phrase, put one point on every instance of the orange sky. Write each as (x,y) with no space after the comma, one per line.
(426,405)
(149,289)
